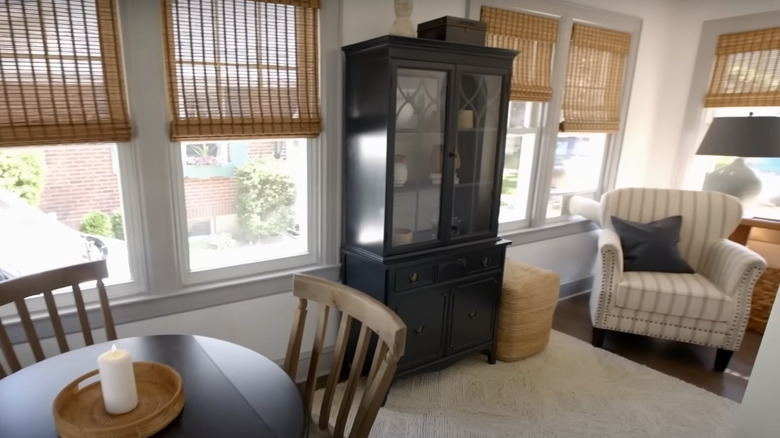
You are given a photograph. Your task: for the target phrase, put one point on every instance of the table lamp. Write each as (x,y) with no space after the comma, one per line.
(756,137)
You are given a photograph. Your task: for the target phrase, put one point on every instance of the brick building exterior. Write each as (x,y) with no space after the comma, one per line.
(83,178)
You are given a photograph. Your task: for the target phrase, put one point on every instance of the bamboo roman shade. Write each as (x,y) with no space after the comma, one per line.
(747,70)
(533,37)
(242,68)
(594,79)
(61,78)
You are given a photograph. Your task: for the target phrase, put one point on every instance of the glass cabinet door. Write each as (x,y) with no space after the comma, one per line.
(420,97)
(478,121)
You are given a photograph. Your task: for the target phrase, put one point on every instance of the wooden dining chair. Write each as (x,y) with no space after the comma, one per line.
(17,289)
(375,318)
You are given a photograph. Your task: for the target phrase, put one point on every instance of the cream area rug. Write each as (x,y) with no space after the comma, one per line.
(571,389)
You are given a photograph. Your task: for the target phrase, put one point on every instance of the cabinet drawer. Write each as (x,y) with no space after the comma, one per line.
(415,276)
(424,312)
(474,312)
(486,260)
(451,269)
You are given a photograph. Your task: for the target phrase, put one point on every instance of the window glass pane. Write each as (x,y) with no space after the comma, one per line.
(419,154)
(518,160)
(245,201)
(60,206)
(516,182)
(577,167)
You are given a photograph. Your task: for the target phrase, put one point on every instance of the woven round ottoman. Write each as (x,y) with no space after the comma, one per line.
(528,298)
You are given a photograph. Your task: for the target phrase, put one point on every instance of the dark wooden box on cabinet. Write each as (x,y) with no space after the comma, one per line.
(425,125)
(454,30)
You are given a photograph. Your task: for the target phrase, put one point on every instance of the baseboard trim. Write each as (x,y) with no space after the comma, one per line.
(576,287)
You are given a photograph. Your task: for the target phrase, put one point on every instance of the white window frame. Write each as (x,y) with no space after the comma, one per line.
(696,116)
(533,125)
(135,257)
(313,226)
(567,14)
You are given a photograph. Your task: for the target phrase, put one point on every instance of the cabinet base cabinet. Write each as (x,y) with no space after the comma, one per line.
(448,299)
(474,308)
(424,313)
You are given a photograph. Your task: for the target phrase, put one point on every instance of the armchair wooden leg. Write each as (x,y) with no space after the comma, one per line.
(722,358)
(597,338)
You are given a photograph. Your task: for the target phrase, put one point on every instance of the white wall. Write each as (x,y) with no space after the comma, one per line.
(572,257)
(366,19)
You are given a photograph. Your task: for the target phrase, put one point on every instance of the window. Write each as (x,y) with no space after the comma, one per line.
(59,206)
(522,132)
(577,168)
(244,102)
(211,87)
(256,212)
(63,121)
(567,99)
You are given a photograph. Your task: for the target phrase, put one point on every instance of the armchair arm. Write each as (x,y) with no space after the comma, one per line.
(586,207)
(609,270)
(732,267)
(610,251)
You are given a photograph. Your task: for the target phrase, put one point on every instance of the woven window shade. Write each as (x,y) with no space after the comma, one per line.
(534,38)
(61,78)
(242,69)
(747,70)
(594,79)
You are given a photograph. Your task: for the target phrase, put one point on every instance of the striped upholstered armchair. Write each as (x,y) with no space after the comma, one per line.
(709,307)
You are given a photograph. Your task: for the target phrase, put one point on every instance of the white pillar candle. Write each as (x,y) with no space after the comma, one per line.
(117,381)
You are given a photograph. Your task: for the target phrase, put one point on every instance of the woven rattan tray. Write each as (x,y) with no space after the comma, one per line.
(79,412)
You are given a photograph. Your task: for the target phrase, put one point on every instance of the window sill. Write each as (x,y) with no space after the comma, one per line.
(565,227)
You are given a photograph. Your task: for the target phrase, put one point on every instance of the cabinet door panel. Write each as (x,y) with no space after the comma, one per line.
(423,312)
(420,109)
(474,312)
(478,144)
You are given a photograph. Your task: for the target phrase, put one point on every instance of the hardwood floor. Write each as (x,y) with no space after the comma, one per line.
(688,362)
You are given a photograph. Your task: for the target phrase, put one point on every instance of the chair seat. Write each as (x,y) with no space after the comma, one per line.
(684,295)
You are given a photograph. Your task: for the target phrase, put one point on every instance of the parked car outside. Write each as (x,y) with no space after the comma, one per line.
(32,241)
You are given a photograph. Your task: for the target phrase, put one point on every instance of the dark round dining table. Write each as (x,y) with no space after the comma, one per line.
(229,390)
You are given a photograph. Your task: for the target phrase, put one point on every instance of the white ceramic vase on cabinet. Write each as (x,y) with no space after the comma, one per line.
(403,25)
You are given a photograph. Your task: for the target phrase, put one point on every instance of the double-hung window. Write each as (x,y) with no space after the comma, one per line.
(568,102)
(64,133)
(243,93)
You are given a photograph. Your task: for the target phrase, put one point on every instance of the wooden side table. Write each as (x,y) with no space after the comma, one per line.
(765,290)
(742,233)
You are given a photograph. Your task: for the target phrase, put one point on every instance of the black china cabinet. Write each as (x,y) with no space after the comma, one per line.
(425,125)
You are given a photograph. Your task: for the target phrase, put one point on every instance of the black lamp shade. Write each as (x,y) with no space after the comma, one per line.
(742,137)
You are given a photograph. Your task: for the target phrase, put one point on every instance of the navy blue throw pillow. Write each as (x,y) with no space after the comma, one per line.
(652,246)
